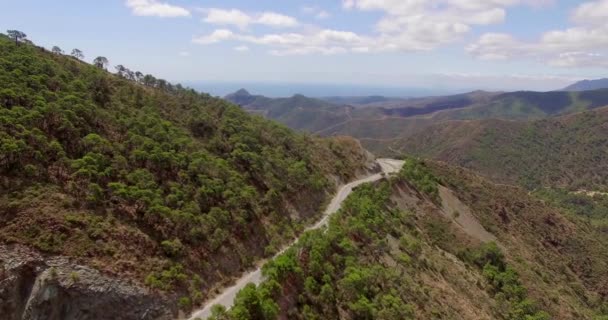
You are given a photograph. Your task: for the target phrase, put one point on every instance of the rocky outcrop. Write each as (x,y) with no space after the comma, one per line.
(39,288)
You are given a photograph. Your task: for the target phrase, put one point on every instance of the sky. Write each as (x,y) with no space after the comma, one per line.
(433,45)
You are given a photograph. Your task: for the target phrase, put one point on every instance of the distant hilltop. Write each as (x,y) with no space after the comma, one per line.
(588,85)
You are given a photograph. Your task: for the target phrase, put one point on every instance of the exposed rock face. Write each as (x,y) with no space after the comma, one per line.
(39,288)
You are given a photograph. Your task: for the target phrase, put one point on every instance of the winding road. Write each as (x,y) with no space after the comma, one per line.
(226,298)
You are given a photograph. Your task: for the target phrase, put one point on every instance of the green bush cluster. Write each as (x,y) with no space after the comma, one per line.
(192,172)
(506,287)
(328,271)
(416,172)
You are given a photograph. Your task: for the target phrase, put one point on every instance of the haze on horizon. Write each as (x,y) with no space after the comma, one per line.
(441,46)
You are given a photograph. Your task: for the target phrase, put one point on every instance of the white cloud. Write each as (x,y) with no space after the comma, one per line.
(184,53)
(156,8)
(410,25)
(491,46)
(241,48)
(214,37)
(276,20)
(579,59)
(583,45)
(404,25)
(315,11)
(242,19)
(325,41)
(322,14)
(594,12)
(228,17)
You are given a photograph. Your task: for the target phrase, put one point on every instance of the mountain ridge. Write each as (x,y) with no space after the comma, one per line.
(568,151)
(584,85)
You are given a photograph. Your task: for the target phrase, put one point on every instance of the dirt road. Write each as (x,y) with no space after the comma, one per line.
(226,298)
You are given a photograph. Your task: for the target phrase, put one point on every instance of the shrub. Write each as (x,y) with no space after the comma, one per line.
(418,174)
(172,248)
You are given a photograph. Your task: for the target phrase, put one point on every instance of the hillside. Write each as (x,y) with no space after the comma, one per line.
(142,180)
(382,134)
(361,120)
(529,105)
(361,101)
(566,152)
(437,242)
(588,85)
(297,112)
(382,125)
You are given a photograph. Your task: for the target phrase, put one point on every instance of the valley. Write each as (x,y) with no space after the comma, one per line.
(127,196)
(378,124)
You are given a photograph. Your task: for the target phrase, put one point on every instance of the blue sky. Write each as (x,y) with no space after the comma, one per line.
(438,44)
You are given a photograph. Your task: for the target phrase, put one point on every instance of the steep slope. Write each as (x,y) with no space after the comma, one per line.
(588,85)
(437,242)
(149,181)
(227,297)
(566,152)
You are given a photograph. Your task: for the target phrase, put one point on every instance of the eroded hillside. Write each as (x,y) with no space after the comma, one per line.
(437,242)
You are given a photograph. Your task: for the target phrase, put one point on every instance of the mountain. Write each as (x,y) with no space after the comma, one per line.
(437,242)
(360,101)
(327,118)
(128,197)
(588,85)
(529,105)
(569,151)
(379,128)
(378,125)
(242,97)
(297,112)
(131,199)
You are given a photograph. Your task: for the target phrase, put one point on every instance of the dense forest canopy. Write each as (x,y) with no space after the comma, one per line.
(140,176)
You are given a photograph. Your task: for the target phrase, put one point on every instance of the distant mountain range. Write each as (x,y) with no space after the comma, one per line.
(569,151)
(588,85)
(379,121)
(320,115)
(298,112)
(361,100)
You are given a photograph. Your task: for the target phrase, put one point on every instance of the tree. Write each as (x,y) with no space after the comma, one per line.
(16,35)
(130,74)
(161,84)
(100,62)
(139,76)
(56,50)
(149,80)
(76,53)
(120,70)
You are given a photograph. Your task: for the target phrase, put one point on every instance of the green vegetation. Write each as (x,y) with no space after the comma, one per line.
(387,126)
(134,174)
(565,152)
(416,172)
(326,273)
(591,207)
(390,255)
(358,269)
(505,284)
(558,255)
(297,112)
